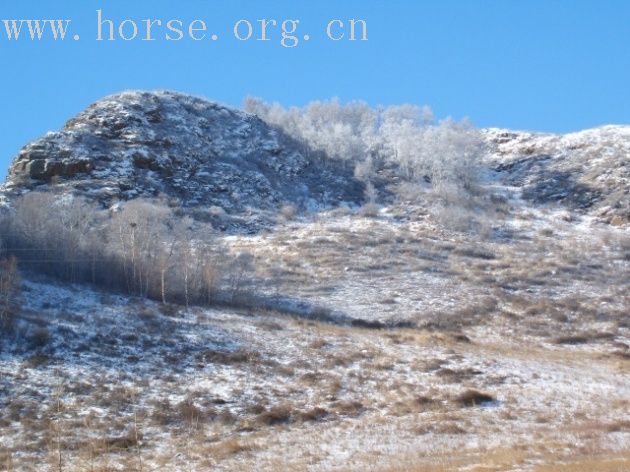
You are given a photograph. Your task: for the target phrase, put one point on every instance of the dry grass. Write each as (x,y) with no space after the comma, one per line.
(283,392)
(607,462)
(509,459)
(229,448)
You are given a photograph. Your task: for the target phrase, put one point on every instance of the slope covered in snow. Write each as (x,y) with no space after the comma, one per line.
(588,171)
(103,382)
(193,152)
(197,154)
(404,328)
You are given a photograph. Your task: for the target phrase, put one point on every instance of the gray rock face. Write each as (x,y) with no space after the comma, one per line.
(190,150)
(42,168)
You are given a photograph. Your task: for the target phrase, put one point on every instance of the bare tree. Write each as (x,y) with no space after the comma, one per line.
(9,287)
(240,266)
(140,247)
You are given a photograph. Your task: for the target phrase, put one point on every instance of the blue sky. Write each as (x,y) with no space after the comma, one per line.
(536,64)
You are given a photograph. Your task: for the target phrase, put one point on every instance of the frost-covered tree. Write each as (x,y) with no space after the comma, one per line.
(405,137)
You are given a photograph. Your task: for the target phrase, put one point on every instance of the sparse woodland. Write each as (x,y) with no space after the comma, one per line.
(141,249)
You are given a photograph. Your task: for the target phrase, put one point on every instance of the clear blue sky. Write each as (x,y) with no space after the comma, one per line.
(531,64)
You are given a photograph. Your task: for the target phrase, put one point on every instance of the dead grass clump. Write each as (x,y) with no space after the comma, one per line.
(144,312)
(37,360)
(473,397)
(310,378)
(227,357)
(118,397)
(169,309)
(285,370)
(469,315)
(258,407)
(226,417)
(313,414)
(618,426)
(583,338)
(448,428)
(476,254)
(414,405)
(190,414)
(6,459)
(622,354)
(281,414)
(339,360)
(572,339)
(321,313)
(163,413)
(318,344)
(40,338)
(457,375)
(548,307)
(423,429)
(350,408)
(230,447)
(395,338)
(460,338)
(270,325)
(367,324)
(124,442)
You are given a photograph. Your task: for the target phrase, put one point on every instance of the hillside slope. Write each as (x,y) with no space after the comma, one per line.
(193,152)
(197,154)
(587,171)
(481,330)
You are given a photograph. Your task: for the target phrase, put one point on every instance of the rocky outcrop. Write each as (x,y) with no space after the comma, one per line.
(192,151)
(39,166)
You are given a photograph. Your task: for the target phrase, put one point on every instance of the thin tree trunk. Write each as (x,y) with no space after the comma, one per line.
(163,288)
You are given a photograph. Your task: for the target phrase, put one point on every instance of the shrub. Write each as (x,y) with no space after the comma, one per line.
(288,212)
(280,414)
(40,338)
(369,210)
(473,397)
(216,211)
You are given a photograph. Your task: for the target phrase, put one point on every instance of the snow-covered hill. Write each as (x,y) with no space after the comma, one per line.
(485,328)
(588,171)
(200,154)
(194,152)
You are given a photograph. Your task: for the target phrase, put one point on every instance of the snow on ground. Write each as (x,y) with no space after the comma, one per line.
(529,306)
(538,321)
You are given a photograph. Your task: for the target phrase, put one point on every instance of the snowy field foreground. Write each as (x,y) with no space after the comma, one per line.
(441,351)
